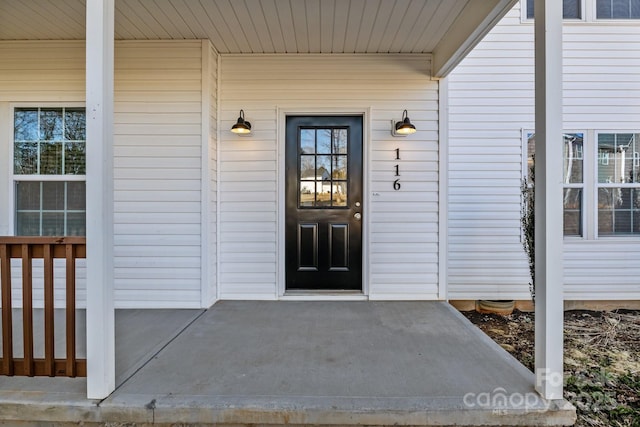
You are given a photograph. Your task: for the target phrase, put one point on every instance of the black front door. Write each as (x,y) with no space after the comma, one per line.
(324,203)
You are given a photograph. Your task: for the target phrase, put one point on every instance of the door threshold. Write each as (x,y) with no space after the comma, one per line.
(323,295)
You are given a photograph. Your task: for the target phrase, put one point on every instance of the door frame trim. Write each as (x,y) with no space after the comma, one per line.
(282,113)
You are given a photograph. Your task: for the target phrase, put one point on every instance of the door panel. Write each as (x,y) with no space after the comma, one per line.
(323,202)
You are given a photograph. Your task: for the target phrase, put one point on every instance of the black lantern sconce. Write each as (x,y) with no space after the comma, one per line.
(242,127)
(404,127)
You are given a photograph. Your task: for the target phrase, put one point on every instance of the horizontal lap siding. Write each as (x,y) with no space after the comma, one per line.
(157,174)
(403,222)
(491,100)
(34,73)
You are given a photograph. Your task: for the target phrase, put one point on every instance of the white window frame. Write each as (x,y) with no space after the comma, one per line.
(586,168)
(12,176)
(594,16)
(583,9)
(597,185)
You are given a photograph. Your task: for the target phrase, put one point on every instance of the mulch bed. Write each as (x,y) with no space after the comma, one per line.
(601,360)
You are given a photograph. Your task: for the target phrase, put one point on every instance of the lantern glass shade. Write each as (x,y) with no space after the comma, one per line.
(405,127)
(242,126)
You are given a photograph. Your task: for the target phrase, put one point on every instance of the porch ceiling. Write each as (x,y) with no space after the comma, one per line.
(273,26)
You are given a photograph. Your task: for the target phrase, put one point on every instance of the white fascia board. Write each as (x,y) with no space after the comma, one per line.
(476,19)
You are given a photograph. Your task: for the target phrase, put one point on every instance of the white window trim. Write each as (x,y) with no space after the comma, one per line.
(11,206)
(589,15)
(594,16)
(586,16)
(597,185)
(583,185)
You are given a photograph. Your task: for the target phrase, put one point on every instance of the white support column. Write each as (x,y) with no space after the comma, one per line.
(100,307)
(548,199)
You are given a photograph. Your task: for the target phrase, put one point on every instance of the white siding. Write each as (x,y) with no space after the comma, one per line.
(491,101)
(402,225)
(35,73)
(157,145)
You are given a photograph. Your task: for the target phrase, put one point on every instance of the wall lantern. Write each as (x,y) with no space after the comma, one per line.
(404,127)
(242,127)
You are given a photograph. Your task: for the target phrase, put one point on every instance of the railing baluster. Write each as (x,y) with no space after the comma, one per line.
(70,253)
(49,312)
(27,309)
(48,249)
(7,321)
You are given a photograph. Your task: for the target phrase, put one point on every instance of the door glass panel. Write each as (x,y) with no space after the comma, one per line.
(339,194)
(323,167)
(307,141)
(324,141)
(307,167)
(308,193)
(340,141)
(339,170)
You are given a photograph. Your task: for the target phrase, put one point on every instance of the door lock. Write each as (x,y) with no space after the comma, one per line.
(357,216)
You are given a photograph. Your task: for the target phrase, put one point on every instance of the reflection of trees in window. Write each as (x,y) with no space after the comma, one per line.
(50,142)
(573,178)
(618,184)
(42,147)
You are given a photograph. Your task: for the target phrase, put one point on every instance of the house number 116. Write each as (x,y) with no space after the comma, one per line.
(396,183)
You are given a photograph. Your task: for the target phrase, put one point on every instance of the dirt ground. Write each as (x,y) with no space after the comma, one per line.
(601,360)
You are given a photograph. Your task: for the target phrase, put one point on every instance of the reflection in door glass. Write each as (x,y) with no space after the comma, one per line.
(307,141)
(339,141)
(339,196)
(323,167)
(324,141)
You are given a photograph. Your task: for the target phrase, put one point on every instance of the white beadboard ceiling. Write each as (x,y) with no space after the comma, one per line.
(267,26)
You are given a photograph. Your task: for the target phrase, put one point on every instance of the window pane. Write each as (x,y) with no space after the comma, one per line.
(324,141)
(25,124)
(76,224)
(573,158)
(53,224)
(74,158)
(618,158)
(618,210)
(28,224)
(25,158)
(76,195)
(51,124)
(618,9)
(323,196)
(307,167)
(74,124)
(52,195)
(323,167)
(339,170)
(571,9)
(572,212)
(28,195)
(51,158)
(339,194)
(307,193)
(307,141)
(47,207)
(340,141)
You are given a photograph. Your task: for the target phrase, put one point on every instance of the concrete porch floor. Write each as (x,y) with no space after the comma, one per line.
(297,363)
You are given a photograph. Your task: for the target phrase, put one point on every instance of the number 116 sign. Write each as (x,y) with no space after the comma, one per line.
(396,183)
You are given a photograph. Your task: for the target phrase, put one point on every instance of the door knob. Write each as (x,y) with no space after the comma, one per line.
(357,216)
